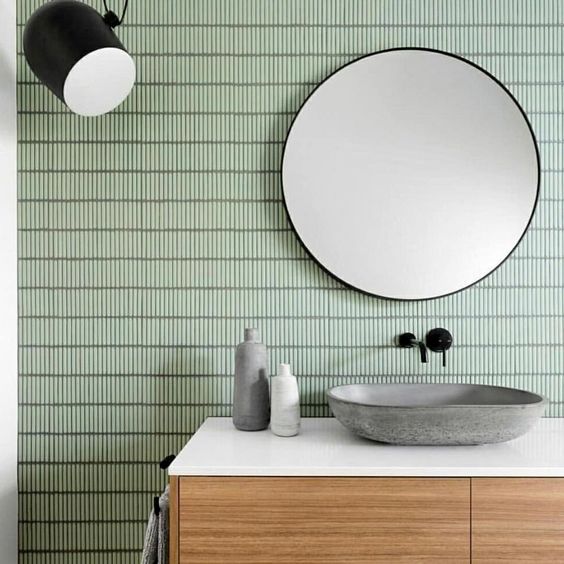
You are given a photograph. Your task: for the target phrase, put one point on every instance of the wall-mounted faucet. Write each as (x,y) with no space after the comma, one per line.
(436,340)
(409,340)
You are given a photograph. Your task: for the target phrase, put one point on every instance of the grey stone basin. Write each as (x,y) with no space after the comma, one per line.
(435,414)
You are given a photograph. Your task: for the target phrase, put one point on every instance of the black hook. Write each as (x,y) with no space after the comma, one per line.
(166,461)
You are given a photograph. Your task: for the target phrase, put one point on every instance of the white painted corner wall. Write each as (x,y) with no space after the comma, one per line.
(8,287)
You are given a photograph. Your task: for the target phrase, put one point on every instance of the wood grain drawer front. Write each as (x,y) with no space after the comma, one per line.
(323,520)
(518,520)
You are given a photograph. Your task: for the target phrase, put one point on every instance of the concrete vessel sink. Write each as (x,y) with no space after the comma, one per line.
(435,414)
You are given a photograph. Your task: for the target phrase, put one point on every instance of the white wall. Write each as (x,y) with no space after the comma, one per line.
(8,286)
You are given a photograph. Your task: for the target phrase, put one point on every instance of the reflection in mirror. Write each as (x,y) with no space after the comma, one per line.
(410,174)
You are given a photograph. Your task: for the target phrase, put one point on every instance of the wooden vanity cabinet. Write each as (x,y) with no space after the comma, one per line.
(315,520)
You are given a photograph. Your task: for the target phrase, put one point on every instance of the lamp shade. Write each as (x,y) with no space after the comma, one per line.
(73,50)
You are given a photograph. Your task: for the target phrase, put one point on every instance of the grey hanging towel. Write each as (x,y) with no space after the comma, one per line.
(155,547)
(163,528)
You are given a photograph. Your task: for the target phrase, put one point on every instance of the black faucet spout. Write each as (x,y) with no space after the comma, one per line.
(422,351)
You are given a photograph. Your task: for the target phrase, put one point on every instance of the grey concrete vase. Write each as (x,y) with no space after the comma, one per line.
(251,402)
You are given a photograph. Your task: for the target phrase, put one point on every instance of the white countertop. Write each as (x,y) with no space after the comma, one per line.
(325,448)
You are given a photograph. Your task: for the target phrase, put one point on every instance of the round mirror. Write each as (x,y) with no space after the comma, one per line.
(410,174)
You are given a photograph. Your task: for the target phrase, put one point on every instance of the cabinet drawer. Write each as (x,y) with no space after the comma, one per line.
(517,520)
(323,520)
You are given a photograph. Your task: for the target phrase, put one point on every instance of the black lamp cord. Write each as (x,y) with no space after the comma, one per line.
(111,18)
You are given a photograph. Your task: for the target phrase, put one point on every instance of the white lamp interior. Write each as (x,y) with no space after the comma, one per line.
(99,82)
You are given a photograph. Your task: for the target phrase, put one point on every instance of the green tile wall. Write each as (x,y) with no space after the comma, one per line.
(150,237)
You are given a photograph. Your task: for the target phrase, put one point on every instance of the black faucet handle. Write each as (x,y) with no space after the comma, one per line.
(439,340)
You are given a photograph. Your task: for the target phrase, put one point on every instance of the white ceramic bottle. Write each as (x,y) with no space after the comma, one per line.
(285,403)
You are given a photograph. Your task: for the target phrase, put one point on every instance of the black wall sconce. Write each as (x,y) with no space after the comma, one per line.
(74,51)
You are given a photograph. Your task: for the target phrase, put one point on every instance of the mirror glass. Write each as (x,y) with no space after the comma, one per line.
(410,174)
